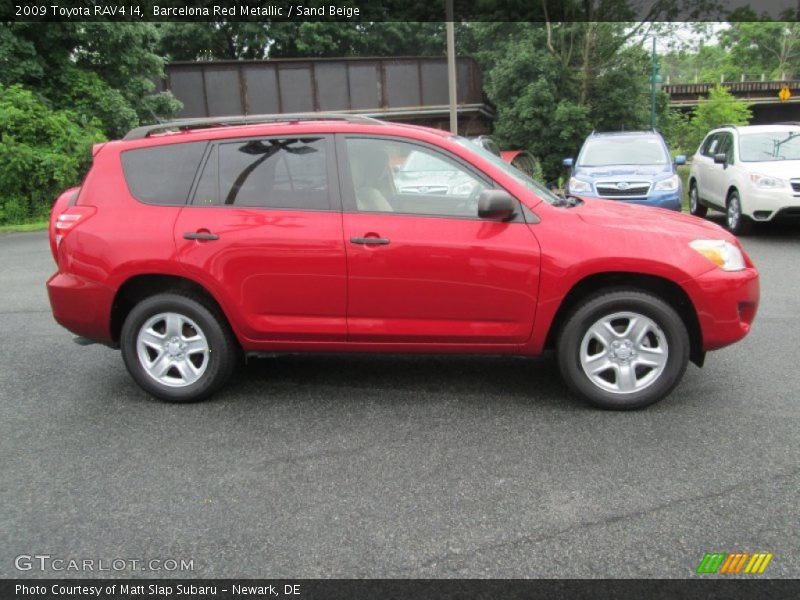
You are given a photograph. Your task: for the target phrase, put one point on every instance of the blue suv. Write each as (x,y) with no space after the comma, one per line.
(632,166)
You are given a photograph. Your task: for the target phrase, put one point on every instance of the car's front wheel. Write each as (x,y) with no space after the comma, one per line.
(178,348)
(697,209)
(736,222)
(623,349)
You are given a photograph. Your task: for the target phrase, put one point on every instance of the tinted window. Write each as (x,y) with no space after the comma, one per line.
(266,173)
(162,174)
(393,176)
(623,150)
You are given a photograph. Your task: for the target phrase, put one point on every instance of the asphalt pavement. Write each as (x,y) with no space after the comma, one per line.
(386,466)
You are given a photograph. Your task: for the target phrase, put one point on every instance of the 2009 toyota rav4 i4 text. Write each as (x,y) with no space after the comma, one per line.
(190,244)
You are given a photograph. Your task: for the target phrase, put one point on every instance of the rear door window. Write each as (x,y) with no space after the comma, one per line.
(285,173)
(162,174)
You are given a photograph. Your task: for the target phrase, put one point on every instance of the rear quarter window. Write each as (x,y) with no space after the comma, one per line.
(162,174)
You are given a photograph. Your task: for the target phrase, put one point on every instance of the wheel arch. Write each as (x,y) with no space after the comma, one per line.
(661,287)
(139,287)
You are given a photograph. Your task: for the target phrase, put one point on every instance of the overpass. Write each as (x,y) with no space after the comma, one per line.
(762,96)
(407,89)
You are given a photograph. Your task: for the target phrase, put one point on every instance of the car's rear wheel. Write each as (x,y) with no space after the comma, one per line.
(697,209)
(623,349)
(178,348)
(735,221)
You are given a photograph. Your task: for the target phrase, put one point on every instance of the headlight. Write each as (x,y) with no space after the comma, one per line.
(670,184)
(723,254)
(576,185)
(767,182)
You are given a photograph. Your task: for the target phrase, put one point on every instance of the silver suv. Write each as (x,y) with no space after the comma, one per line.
(752,173)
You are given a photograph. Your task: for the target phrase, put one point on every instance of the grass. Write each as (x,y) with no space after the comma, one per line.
(19,227)
(683,171)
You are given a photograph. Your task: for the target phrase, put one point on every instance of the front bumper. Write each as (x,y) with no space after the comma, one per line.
(766,205)
(726,304)
(82,306)
(668,200)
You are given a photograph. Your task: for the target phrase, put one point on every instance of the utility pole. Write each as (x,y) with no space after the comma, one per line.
(451,66)
(655,78)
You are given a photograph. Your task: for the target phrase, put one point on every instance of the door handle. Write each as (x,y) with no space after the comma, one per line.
(200,235)
(370,241)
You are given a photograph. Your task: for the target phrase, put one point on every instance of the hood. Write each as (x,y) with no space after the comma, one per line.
(783,169)
(646,171)
(648,220)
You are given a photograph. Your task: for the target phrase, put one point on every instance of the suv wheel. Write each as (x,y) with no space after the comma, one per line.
(697,209)
(177,348)
(623,350)
(736,222)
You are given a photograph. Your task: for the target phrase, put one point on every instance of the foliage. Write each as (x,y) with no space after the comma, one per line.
(683,132)
(720,108)
(247,40)
(42,152)
(748,47)
(552,84)
(98,70)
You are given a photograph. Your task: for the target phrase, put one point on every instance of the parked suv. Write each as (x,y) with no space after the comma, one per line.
(632,166)
(751,173)
(190,244)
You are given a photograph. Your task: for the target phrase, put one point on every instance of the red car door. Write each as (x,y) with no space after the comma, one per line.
(423,268)
(264,230)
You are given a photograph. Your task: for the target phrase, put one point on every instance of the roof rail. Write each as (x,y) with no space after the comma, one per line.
(186,124)
(731,125)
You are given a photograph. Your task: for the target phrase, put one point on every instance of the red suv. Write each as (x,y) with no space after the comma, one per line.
(191,243)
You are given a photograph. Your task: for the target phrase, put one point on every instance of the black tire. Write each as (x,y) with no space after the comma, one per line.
(735,221)
(219,361)
(610,303)
(695,207)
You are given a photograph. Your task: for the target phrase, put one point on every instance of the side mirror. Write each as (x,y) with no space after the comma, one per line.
(680,159)
(568,162)
(497,205)
(721,159)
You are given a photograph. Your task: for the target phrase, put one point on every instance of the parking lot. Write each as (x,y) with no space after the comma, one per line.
(385,466)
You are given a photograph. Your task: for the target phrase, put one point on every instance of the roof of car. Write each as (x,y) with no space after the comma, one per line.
(624,133)
(759,128)
(245,124)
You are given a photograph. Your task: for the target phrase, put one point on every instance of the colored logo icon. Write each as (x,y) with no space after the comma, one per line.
(733,563)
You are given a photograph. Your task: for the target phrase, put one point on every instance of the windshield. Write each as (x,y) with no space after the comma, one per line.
(622,150)
(533,185)
(769,146)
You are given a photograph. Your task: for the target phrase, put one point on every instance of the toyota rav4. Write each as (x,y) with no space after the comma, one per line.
(190,245)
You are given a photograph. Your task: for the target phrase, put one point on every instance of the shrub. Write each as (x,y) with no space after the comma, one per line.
(42,152)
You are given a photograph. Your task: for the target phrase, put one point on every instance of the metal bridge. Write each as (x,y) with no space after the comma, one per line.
(762,96)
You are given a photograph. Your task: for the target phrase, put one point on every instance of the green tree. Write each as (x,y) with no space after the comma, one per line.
(103,70)
(299,39)
(553,83)
(42,153)
(720,108)
(764,46)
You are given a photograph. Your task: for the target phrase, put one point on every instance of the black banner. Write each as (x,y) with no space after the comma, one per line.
(389,589)
(397,10)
